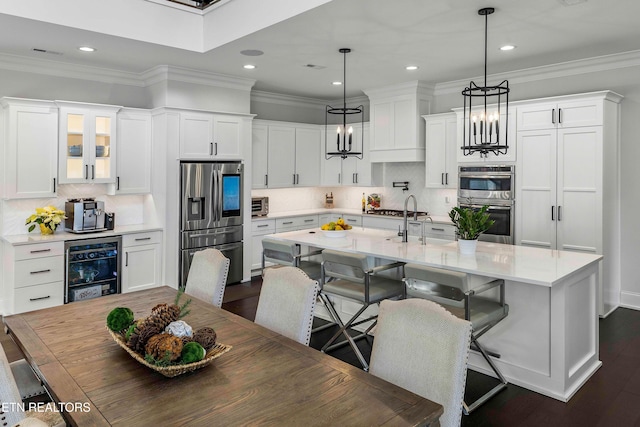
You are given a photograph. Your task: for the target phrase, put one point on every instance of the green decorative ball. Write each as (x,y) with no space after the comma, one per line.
(120,318)
(192,352)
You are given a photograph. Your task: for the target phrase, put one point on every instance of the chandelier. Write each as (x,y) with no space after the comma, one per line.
(345,144)
(483,130)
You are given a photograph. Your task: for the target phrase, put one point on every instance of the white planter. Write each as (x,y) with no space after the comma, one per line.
(467,247)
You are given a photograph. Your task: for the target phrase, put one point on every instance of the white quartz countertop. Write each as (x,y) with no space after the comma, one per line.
(438,219)
(60,235)
(510,262)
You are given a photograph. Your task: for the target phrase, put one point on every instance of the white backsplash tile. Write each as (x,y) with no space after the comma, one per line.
(432,200)
(129,209)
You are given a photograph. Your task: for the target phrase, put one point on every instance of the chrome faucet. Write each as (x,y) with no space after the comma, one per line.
(405,232)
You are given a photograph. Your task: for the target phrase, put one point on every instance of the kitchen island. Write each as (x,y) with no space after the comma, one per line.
(549,341)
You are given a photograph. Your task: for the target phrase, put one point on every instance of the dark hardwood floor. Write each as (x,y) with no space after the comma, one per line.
(611,397)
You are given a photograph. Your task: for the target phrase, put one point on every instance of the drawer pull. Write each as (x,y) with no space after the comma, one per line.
(287,223)
(40,251)
(309,220)
(437,229)
(40,271)
(39,298)
(142,238)
(263,225)
(352,220)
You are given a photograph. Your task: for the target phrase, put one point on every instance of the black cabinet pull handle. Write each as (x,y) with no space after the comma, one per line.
(142,238)
(437,229)
(553,116)
(40,251)
(54,185)
(559,115)
(211,148)
(86,171)
(339,178)
(216,151)
(442,178)
(559,213)
(263,225)
(294,179)
(266,180)
(126,259)
(553,208)
(40,271)
(117,183)
(37,299)
(93,172)
(446,175)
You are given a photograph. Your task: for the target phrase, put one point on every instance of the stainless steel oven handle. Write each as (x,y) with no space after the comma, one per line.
(491,207)
(492,175)
(213,234)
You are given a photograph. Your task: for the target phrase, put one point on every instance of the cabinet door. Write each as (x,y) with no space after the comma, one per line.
(133,174)
(87,144)
(536,189)
(331,171)
(31,161)
(580,113)
(226,137)
(282,156)
(579,183)
(382,125)
(436,152)
(358,171)
(308,157)
(196,136)
(537,116)
(259,156)
(141,268)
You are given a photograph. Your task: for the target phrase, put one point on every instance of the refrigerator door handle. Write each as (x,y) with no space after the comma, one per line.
(219,203)
(214,196)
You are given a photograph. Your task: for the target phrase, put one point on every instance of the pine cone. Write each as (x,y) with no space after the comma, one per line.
(160,345)
(144,335)
(206,337)
(162,315)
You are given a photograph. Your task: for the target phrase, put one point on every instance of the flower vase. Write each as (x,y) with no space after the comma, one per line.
(44,230)
(467,247)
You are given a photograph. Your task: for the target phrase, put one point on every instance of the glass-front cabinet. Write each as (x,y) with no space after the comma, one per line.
(87,143)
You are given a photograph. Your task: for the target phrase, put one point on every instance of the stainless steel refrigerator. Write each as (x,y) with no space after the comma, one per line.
(211,213)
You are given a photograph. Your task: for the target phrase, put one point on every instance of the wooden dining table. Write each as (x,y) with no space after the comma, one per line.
(265,379)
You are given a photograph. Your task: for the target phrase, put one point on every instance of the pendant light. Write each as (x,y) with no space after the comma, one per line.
(486,111)
(345,144)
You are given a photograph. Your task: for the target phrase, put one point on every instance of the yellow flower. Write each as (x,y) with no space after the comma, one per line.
(50,216)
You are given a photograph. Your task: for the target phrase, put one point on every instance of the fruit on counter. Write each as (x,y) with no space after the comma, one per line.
(336,226)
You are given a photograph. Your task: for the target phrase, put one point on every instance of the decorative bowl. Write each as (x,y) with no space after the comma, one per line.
(334,233)
(173,370)
(102,151)
(75,150)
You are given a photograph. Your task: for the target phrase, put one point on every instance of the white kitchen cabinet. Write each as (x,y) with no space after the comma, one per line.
(259,156)
(352,220)
(350,171)
(560,114)
(142,261)
(289,154)
(34,276)
(567,183)
(508,121)
(259,229)
(30,160)
(381,222)
(87,143)
(441,165)
(397,131)
(208,136)
(440,231)
(133,159)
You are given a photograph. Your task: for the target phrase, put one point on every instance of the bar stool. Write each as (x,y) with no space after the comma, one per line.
(349,276)
(451,290)
(288,254)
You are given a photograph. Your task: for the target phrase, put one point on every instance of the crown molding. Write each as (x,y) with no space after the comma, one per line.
(63,69)
(407,88)
(186,75)
(545,72)
(301,101)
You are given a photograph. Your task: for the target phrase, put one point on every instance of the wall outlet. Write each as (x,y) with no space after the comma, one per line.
(447,199)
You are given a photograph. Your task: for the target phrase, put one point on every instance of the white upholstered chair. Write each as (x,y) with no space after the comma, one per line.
(290,254)
(208,276)
(453,291)
(11,399)
(423,348)
(287,302)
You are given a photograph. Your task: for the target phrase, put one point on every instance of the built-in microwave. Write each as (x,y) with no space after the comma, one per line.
(259,206)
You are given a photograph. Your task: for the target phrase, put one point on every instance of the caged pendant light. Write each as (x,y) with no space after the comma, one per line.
(345,144)
(483,130)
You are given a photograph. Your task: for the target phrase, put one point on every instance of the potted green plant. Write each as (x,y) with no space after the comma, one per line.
(470,224)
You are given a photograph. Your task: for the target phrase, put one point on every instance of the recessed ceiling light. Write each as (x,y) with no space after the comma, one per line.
(251,52)
(249,67)
(87,49)
(336,83)
(411,67)
(508,47)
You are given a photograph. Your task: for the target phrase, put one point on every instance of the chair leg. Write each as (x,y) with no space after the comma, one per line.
(467,409)
(343,331)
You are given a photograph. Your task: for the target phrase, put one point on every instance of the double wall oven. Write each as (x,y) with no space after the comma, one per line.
(493,186)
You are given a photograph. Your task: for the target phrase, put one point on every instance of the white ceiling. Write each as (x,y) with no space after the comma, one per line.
(443,37)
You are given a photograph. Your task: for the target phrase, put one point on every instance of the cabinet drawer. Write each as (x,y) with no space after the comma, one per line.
(352,219)
(37,271)
(441,231)
(38,297)
(137,239)
(296,222)
(39,250)
(263,227)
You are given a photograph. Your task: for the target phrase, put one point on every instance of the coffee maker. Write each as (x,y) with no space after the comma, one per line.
(84,215)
